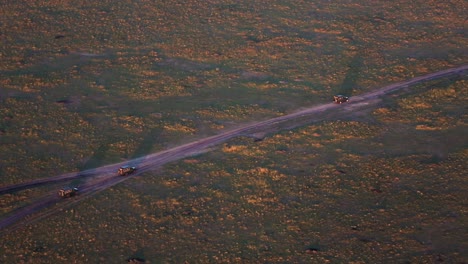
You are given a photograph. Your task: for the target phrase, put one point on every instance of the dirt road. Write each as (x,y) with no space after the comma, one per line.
(101,178)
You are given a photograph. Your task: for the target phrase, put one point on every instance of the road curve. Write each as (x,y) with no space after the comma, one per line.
(101,178)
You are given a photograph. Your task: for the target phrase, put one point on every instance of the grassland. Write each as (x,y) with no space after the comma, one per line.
(86,83)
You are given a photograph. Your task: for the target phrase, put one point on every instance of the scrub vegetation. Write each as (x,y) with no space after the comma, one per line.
(89,83)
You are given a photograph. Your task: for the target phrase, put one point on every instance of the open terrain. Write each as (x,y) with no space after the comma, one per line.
(149,162)
(88,86)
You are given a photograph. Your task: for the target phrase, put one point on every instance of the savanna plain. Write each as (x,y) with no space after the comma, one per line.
(85,84)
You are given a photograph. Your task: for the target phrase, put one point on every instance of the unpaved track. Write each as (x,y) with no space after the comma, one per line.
(101,178)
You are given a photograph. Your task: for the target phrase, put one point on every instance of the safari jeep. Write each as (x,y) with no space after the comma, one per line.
(67,192)
(339,99)
(126,170)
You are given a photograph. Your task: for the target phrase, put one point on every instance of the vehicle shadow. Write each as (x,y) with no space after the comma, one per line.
(96,160)
(146,145)
(353,74)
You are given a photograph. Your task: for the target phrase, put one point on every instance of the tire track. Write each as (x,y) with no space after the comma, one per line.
(107,177)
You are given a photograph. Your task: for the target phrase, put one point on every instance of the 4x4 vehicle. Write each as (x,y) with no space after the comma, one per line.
(126,170)
(339,99)
(67,192)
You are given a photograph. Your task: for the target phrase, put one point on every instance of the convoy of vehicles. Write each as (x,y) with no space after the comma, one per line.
(339,99)
(126,170)
(68,192)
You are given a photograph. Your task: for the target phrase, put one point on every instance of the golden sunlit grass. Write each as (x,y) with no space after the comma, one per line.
(426,108)
(92,83)
(233,113)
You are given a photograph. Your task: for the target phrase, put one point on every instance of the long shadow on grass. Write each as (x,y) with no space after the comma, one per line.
(352,75)
(97,159)
(146,145)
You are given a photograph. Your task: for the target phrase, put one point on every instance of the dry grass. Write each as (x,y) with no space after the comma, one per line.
(88,84)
